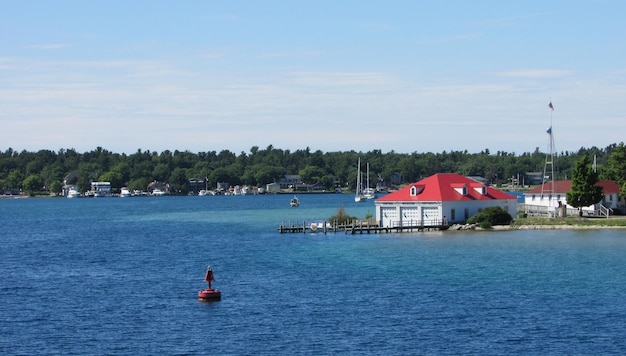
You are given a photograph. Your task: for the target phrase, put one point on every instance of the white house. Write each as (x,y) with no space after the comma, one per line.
(555,195)
(101,189)
(443,196)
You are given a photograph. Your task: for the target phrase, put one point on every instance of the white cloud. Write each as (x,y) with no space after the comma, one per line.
(536,73)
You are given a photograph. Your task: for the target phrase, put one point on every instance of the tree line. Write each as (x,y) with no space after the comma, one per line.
(45,170)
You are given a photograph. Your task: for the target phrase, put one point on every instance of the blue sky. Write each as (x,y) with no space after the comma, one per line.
(403,76)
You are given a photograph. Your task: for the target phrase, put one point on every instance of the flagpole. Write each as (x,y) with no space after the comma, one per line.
(545,189)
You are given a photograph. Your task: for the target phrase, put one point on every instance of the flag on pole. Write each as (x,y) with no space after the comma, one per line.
(550,106)
(549,130)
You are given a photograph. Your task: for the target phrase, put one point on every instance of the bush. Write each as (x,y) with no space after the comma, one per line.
(341,217)
(485,225)
(494,215)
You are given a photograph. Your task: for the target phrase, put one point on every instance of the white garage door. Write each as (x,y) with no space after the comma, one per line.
(430,215)
(389,216)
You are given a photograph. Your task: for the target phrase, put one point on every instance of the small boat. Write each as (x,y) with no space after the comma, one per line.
(295,202)
(157,192)
(124,192)
(209,294)
(73,193)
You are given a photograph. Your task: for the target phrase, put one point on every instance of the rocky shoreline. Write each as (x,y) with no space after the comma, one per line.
(466,227)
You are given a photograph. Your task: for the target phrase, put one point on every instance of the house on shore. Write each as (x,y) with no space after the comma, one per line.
(555,196)
(443,197)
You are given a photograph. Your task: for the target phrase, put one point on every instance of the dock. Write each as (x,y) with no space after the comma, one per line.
(356,227)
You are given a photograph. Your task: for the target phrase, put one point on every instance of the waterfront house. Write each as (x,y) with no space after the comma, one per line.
(443,197)
(547,198)
(289,181)
(100,189)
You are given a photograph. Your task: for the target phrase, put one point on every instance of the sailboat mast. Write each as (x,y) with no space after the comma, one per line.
(368,174)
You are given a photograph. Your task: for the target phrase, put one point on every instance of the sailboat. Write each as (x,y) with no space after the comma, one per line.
(369,193)
(358,195)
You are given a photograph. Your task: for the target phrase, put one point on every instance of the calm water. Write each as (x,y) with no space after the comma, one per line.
(121,275)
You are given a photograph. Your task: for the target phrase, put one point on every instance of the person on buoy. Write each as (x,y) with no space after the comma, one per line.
(208,277)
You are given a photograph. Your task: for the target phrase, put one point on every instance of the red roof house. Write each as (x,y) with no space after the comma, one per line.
(544,199)
(440,197)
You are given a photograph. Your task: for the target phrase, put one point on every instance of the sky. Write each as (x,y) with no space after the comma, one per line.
(403,76)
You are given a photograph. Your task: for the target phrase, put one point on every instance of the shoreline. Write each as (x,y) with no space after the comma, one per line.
(555,227)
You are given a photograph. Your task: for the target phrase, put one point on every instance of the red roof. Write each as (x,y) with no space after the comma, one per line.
(445,187)
(564,186)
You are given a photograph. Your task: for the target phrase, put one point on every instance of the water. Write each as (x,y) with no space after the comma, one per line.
(121,275)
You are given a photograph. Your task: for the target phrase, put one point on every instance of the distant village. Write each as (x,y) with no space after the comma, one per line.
(435,197)
(441,199)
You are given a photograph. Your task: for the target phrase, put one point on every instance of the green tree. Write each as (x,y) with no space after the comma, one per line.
(616,167)
(115,177)
(311,174)
(14,179)
(140,184)
(584,191)
(178,180)
(56,187)
(268,174)
(161,172)
(32,183)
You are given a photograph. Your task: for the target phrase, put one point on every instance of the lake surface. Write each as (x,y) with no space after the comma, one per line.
(121,276)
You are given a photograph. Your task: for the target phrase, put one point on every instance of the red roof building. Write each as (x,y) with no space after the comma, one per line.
(544,199)
(441,197)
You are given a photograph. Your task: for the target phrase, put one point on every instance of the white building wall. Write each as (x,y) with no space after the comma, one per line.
(551,202)
(408,214)
(433,213)
(474,207)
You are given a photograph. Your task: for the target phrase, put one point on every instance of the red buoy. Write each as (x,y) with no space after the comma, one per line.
(209,294)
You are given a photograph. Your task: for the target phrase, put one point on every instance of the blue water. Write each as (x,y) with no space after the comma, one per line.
(121,275)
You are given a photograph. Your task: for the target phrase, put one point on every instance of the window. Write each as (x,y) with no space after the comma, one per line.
(452,214)
(466,213)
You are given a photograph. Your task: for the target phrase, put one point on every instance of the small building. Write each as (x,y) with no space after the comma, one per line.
(534,178)
(395,178)
(303,187)
(272,187)
(101,189)
(547,198)
(195,185)
(443,197)
(289,181)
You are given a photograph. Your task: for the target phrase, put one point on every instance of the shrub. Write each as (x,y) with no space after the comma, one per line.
(494,215)
(341,217)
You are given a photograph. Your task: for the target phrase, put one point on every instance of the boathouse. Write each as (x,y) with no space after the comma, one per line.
(547,198)
(438,200)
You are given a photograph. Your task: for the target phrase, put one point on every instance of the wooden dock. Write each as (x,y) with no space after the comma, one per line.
(355,227)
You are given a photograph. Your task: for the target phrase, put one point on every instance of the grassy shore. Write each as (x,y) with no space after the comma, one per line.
(570,222)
